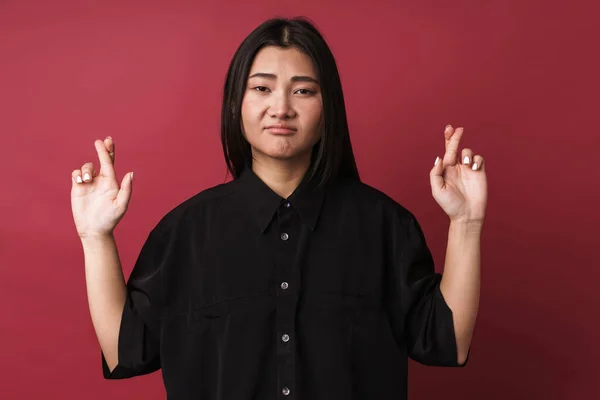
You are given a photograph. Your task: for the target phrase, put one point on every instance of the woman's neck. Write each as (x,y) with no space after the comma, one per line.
(282,177)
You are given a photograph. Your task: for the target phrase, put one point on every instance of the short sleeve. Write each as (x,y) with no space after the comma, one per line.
(139,334)
(420,317)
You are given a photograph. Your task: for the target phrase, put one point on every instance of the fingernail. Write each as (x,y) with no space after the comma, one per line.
(86,177)
(78,179)
(466,161)
(474,166)
(108,137)
(436,161)
(132,176)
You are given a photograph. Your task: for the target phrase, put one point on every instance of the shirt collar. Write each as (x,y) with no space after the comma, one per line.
(305,199)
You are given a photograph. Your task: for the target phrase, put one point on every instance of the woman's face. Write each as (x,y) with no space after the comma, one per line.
(282,90)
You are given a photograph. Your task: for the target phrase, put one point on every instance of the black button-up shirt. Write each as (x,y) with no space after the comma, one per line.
(240,294)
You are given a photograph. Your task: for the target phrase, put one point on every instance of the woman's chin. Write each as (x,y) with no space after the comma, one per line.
(283,156)
(288,154)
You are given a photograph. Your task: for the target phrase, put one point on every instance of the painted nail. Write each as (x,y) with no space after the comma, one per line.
(436,161)
(466,161)
(86,177)
(474,166)
(78,179)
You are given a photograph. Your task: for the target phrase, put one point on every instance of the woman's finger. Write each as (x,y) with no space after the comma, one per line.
(76,177)
(106,164)
(466,157)
(477,163)
(110,146)
(87,171)
(452,142)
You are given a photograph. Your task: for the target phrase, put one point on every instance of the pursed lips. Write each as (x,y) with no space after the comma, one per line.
(280,129)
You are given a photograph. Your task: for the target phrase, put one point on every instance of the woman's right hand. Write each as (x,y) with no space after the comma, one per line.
(96,200)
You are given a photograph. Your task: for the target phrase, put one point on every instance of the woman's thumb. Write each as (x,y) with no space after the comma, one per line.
(436,175)
(124,194)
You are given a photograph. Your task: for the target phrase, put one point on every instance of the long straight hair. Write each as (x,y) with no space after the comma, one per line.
(332,156)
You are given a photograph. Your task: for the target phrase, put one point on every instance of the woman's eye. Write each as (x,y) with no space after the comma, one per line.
(300,91)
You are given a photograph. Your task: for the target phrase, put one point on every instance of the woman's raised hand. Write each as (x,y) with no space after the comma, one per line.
(97,202)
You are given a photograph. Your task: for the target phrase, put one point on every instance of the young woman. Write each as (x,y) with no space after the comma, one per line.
(295,279)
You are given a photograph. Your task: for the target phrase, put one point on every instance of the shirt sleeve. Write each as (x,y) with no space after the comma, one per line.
(139,334)
(420,317)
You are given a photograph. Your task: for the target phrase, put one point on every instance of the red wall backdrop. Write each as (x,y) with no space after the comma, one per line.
(520,76)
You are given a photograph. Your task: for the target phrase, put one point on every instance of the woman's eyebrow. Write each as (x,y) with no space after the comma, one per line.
(302,78)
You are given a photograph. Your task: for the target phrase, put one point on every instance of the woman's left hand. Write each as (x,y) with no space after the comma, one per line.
(459,186)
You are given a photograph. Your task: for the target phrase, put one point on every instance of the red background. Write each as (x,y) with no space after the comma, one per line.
(520,76)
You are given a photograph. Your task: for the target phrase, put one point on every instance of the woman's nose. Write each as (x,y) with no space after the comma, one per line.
(281,107)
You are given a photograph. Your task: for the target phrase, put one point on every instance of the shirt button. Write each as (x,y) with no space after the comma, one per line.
(284,285)
(287,204)
(285,391)
(284,236)
(285,338)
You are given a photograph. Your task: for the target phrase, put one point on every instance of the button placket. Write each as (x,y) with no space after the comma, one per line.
(287,230)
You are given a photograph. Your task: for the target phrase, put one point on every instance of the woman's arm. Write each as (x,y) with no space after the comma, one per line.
(106,292)
(460,283)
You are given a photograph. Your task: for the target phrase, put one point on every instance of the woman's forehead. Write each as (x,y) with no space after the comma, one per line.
(282,62)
